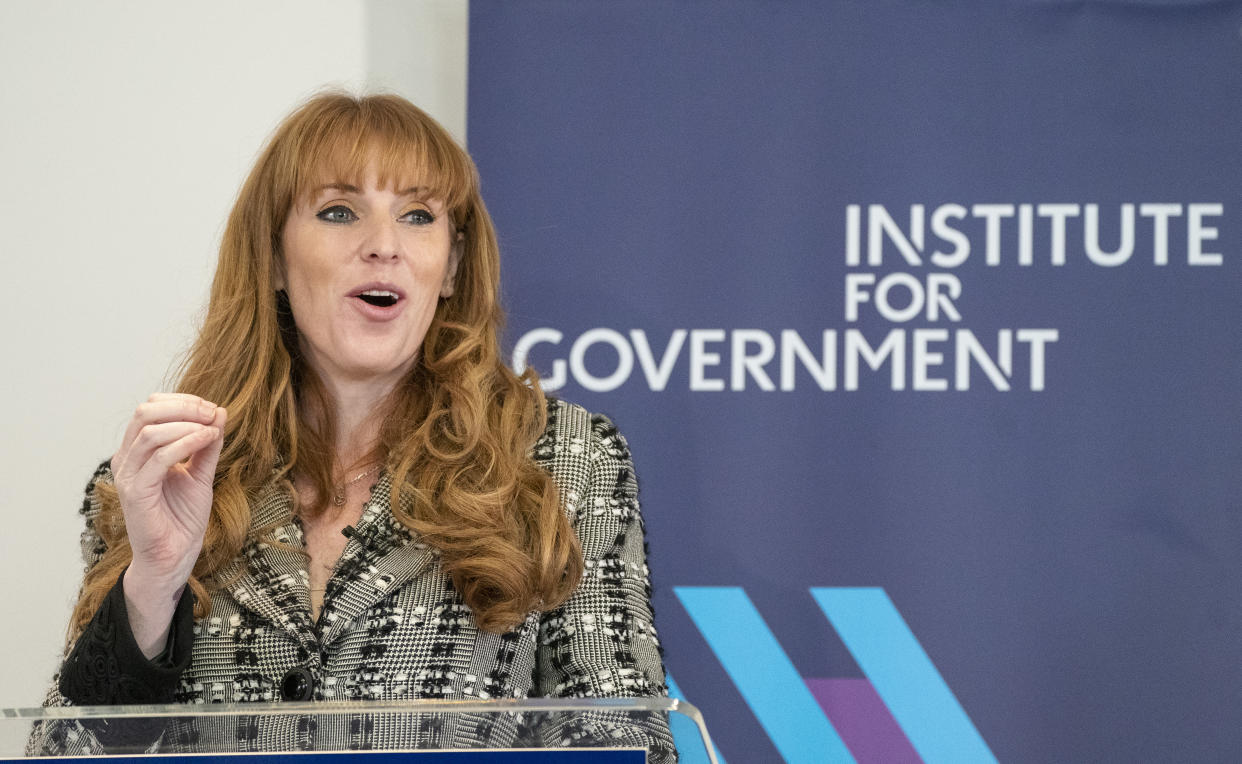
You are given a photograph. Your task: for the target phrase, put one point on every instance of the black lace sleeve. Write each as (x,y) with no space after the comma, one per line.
(107,668)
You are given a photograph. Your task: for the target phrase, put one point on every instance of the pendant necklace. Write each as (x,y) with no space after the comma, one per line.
(338,496)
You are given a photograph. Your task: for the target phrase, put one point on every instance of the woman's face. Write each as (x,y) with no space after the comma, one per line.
(364,269)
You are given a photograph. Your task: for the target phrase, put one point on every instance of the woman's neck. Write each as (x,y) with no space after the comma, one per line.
(358,408)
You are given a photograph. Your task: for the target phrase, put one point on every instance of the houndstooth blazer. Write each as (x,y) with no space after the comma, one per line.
(393,627)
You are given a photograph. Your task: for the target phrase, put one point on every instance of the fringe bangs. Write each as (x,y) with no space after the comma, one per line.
(342,141)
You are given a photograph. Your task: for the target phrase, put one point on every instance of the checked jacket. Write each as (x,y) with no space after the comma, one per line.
(393,627)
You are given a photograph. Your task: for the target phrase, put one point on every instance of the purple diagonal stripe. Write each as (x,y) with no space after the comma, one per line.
(863,721)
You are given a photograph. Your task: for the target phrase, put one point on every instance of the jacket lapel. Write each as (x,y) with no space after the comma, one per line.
(270,577)
(380,557)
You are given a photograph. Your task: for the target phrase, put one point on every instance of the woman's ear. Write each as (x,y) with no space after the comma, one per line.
(450,273)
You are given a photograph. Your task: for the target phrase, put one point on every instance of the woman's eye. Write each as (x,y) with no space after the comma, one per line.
(337,213)
(419,217)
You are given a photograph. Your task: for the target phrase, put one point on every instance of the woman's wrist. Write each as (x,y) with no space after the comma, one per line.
(150,602)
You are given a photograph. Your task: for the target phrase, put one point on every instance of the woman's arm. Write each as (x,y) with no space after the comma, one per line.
(140,638)
(164,473)
(107,667)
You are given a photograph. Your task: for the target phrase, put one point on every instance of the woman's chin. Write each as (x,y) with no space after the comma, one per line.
(379,372)
(359,370)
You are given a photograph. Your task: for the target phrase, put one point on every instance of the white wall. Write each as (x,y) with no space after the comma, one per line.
(125,131)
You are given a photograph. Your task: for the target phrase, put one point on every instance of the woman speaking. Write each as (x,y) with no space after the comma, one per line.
(350,496)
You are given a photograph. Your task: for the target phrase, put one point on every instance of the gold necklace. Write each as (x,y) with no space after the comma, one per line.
(338,496)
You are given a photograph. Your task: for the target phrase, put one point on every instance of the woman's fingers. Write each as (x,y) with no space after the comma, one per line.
(166,407)
(203,466)
(150,438)
(164,457)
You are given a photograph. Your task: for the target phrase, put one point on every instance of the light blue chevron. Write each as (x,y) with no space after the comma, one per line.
(763,674)
(903,676)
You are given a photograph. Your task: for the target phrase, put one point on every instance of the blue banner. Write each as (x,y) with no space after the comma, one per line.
(922,322)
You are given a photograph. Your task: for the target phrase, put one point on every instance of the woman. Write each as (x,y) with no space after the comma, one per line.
(350,495)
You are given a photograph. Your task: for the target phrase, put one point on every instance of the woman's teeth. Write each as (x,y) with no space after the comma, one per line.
(381,298)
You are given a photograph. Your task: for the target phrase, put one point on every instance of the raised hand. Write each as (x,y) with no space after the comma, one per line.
(163,473)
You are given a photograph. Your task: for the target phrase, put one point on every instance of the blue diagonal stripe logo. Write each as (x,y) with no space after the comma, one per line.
(763,674)
(903,676)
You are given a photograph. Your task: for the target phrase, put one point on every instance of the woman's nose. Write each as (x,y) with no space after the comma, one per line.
(382,240)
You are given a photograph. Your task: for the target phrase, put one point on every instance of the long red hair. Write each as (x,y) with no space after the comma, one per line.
(459,428)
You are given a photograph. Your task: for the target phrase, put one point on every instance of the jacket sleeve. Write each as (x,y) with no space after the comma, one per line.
(106,667)
(602,641)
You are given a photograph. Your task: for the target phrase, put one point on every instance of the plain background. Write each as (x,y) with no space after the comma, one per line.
(127,130)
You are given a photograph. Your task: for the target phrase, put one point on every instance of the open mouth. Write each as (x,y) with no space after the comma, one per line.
(380,298)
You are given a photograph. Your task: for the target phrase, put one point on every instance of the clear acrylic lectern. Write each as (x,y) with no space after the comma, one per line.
(524,728)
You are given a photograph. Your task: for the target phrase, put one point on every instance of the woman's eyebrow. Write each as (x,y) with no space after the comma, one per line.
(350,189)
(335,187)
